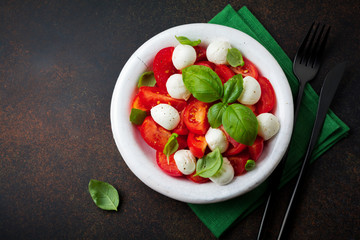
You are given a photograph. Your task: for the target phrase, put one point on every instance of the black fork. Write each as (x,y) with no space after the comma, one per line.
(306,65)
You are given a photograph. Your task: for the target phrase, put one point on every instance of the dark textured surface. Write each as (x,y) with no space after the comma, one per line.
(59,61)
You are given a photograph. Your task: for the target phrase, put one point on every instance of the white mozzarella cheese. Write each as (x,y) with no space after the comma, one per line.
(176,87)
(217,51)
(165,115)
(251,91)
(216,138)
(225,175)
(185,161)
(269,125)
(183,56)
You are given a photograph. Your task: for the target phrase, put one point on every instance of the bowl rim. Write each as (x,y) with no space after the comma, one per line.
(131,146)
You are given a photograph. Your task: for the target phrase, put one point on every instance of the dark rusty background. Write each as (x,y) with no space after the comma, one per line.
(59,61)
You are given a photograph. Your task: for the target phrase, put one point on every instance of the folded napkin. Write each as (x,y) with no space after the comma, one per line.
(220,216)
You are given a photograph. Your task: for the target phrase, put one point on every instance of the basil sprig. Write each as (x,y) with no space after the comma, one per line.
(250,165)
(234,57)
(215,114)
(240,123)
(209,165)
(233,88)
(171,146)
(104,195)
(147,79)
(185,41)
(204,84)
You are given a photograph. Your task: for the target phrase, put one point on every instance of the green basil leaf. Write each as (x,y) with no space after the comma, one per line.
(215,114)
(105,196)
(240,123)
(250,165)
(204,84)
(171,146)
(210,164)
(137,116)
(147,79)
(234,57)
(233,88)
(185,41)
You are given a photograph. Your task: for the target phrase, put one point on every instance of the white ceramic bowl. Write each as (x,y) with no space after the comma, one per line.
(140,158)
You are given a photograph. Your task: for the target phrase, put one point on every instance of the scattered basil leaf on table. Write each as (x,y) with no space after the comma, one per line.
(137,116)
(215,114)
(171,146)
(234,57)
(147,79)
(233,88)
(204,84)
(104,195)
(240,123)
(210,164)
(185,41)
(250,165)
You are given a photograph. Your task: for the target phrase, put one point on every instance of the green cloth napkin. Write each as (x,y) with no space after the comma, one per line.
(220,216)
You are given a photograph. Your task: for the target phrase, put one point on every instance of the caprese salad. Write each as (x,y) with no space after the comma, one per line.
(206,110)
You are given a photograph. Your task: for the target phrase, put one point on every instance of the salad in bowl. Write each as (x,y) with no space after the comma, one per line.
(202,113)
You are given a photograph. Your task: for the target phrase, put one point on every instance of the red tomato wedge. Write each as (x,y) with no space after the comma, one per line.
(153,134)
(197,179)
(171,168)
(249,69)
(256,149)
(267,100)
(163,67)
(197,144)
(195,117)
(224,72)
(181,128)
(238,162)
(152,96)
(200,53)
(206,64)
(138,104)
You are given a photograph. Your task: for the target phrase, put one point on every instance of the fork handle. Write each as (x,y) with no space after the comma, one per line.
(276,176)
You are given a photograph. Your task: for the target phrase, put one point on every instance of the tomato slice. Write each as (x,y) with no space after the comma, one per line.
(163,67)
(200,53)
(138,104)
(152,96)
(181,128)
(238,162)
(256,149)
(224,72)
(206,64)
(197,179)
(153,134)
(195,117)
(268,99)
(235,147)
(197,144)
(249,69)
(171,168)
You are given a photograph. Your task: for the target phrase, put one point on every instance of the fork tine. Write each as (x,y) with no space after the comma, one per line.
(309,47)
(300,53)
(320,50)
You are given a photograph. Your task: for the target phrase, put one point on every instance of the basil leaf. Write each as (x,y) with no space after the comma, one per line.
(104,195)
(147,79)
(250,165)
(185,41)
(234,57)
(137,116)
(233,88)
(240,123)
(171,146)
(215,114)
(209,165)
(204,84)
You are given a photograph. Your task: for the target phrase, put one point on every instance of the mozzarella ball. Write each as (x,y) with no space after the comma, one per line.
(183,56)
(185,161)
(251,91)
(225,175)
(269,125)
(216,138)
(176,87)
(165,115)
(217,51)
